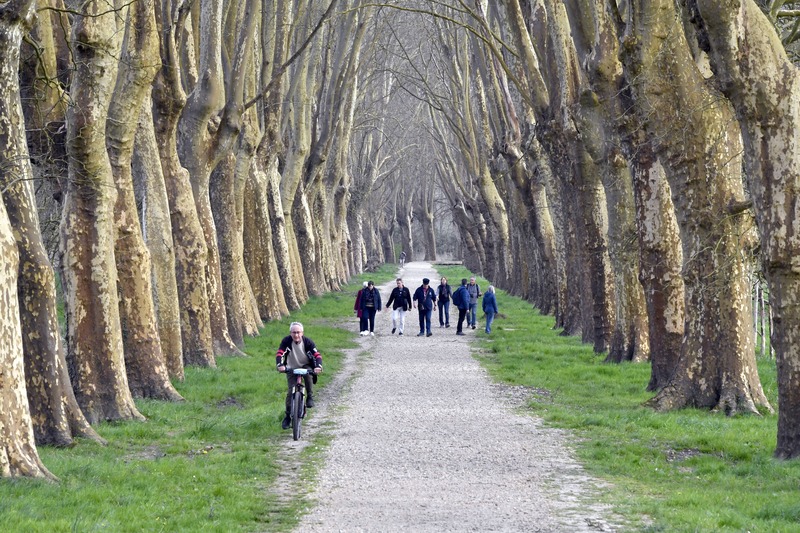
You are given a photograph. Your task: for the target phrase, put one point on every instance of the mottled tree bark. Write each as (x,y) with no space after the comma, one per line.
(95,349)
(764,87)
(51,414)
(157,233)
(699,144)
(144,360)
(190,246)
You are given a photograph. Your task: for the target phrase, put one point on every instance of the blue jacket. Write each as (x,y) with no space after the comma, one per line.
(461,297)
(424,299)
(489,303)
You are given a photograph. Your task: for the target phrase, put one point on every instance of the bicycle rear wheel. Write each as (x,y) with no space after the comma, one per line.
(297,414)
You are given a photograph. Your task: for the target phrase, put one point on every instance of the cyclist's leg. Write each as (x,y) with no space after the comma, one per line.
(309,381)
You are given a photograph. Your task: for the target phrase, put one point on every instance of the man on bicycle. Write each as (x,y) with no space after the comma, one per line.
(297,351)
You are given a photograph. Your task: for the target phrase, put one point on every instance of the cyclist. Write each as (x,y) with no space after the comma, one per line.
(297,351)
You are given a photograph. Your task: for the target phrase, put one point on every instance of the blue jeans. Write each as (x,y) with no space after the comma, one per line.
(444,313)
(425,320)
(489,320)
(472,314)
(369,317)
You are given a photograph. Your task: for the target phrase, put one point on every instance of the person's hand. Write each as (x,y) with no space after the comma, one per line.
(281,369)
(318,370)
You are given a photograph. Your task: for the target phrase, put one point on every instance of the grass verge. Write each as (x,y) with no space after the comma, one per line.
(689,470)
(205,464)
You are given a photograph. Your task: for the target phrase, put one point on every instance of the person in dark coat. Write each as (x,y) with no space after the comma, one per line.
(399,302)
(461,301)
(362,320)
(425,302)
(370,305)
(443,295)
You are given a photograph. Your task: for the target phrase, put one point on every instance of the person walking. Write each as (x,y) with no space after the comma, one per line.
(474,293)
(402,260)
(461,301)
(370,305)
(362,320)
(443,295)
(399,302)
(489,307)
(297,351)
(425,302)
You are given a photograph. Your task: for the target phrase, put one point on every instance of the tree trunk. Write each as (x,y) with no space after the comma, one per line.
(191,251)
(259,254)
(660,261)
(700,148)
(51,411)
(764,87)
(157,233)
(18,454)
(144,360)
(95,352)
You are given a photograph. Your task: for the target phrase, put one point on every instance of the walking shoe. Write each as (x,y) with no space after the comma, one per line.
(447,325)
(441,325)
(286,422)
(429,334)
(309,402)
(399,333)
(460,333)
(393,331)
(371,333)
(363,333)
(473,326)
(420,334)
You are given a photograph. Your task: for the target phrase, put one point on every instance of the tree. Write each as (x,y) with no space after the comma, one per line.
(764,87)
(25,266)
(700,148)
(144,360)
(95,352)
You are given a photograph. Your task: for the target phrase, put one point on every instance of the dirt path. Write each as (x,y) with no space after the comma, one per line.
(423,440)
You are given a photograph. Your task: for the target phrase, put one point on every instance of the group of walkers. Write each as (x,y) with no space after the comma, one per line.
(298,351)
(425,300)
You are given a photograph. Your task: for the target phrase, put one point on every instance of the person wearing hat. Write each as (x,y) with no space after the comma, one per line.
(425,302)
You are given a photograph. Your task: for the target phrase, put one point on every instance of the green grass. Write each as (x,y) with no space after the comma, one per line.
(208,464)
(689,470)
(205,464)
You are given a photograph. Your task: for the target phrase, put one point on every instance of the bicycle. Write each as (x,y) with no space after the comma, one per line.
(297,410)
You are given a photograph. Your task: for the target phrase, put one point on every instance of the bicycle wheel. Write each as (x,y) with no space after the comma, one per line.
(297,414)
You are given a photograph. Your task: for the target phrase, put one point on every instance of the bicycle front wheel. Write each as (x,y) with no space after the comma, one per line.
(297,414)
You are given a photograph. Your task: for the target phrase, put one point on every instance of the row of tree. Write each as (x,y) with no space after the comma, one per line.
(211,164)
(625,165)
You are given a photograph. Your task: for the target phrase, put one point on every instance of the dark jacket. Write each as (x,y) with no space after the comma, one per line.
(461,297)
(444,293)
(315,359)
(426,298)
(376,298)
(401,298)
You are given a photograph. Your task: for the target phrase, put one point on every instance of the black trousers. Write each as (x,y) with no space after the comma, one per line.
(290,381)
(462,314)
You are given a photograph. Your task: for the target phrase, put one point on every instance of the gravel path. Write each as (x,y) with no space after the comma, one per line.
(423,440)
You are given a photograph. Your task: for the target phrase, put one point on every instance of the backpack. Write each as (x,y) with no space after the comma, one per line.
(458,298)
